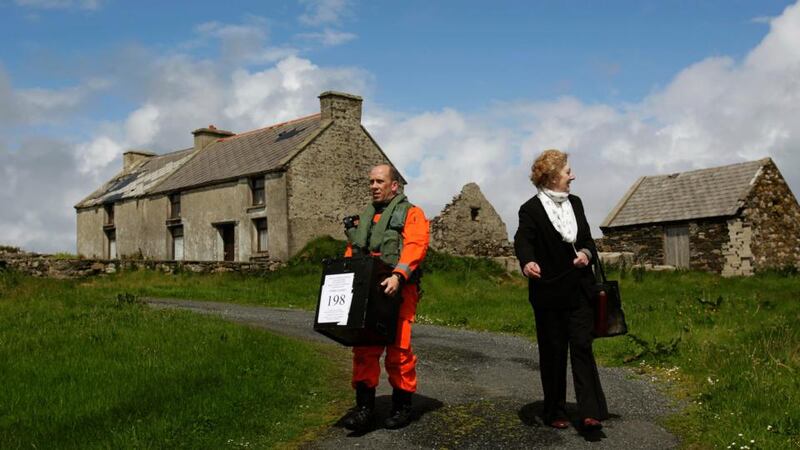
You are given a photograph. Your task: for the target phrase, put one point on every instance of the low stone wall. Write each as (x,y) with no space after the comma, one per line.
(48,266)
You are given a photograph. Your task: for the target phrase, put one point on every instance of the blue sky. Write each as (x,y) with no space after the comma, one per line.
(469,89)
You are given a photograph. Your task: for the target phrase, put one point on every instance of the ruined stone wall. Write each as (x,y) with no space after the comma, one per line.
(328,181)
(469,225)
(47,266)
(774,215)
(91,240)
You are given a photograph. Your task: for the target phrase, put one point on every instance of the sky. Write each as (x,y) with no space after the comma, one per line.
(454,91)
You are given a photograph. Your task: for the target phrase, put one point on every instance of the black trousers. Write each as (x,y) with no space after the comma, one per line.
(562,331)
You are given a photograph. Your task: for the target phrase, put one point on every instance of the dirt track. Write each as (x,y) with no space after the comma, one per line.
(476,391)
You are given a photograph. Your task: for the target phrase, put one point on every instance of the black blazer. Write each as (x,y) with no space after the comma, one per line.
(562,284)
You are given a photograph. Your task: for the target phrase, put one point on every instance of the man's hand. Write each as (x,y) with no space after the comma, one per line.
(532,270)
(391,284)
(581,260)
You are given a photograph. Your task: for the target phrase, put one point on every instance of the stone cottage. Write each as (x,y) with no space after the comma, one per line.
(236,197)
(469,225)
(732,220)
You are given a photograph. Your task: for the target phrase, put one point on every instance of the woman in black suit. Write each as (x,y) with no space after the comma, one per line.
(554,246)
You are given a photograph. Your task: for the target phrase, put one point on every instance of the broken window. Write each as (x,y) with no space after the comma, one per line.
(261,234)
(257,186)
(109,214)
(111,236)
(177,243)
(175,206)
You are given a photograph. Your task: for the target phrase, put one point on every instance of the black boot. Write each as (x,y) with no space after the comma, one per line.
(401,410)
(360,418)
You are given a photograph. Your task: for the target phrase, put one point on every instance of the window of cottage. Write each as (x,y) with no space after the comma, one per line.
(175,206)
(473,213)
(177,243)
(257,187)
(111,235)
(109,214)
(261,234)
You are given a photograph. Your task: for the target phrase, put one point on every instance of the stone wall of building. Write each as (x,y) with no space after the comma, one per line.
(469,225)
(771,210)
(91,241)
(646,242)
(48,266)
(330,180)
(708,239)
(204,209)
(140,227)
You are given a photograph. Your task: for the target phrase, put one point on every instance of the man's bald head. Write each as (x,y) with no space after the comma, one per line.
(384,182)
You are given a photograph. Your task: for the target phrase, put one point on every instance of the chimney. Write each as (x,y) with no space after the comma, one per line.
(205,136)
(340,106)
(133,157)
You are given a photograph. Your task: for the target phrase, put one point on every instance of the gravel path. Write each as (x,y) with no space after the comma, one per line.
(477,390)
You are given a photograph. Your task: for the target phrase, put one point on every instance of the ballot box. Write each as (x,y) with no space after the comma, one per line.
(352,308)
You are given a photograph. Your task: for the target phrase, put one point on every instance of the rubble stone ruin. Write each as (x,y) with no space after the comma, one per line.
(469,225)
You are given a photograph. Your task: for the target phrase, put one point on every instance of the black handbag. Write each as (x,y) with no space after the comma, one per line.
(609,319)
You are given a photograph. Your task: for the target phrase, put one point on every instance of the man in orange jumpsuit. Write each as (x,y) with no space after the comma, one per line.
(398,232)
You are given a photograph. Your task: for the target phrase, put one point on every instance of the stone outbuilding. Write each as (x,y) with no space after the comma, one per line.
(733,220)
(236,197)
(469,225)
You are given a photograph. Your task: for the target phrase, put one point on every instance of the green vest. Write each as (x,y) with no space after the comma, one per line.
(385,236)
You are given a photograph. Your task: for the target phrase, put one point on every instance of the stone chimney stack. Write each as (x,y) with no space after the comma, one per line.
(340,106)
(133,157)
(205,136)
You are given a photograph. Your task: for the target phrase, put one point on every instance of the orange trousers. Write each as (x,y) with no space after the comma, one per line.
(400,361)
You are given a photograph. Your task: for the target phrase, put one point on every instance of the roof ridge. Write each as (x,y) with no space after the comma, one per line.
(299,119)
(761,161)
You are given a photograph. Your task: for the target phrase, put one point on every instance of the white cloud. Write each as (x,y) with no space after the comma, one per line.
(321,12)
(329,37)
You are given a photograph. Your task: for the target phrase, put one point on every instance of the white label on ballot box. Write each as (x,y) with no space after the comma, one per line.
(336,297)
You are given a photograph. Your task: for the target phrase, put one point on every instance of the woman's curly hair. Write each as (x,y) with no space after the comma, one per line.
(546,167)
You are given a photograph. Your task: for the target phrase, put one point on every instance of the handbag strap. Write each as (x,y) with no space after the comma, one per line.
(599,266)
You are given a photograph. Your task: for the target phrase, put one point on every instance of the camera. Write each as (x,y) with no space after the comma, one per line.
(350,222)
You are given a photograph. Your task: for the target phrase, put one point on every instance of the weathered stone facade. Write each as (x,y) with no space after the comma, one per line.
(309,185)
(763,234)
(329,179)
(469,225)
(772,212)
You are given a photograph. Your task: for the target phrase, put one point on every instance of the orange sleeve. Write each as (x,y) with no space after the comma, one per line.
(416,235)
(348,252)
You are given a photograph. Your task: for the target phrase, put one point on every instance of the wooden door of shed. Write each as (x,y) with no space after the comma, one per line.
(676,246)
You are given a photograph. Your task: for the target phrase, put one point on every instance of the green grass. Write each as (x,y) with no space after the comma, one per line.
(94,368)
(729,347)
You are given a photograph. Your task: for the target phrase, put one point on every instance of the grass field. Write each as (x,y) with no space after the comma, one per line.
(730,348)
(94,368)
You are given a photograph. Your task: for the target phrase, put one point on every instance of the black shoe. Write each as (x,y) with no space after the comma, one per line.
(399,418)
(359,418)
(401,410)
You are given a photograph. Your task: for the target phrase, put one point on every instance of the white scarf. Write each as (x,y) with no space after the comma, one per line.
(559,211)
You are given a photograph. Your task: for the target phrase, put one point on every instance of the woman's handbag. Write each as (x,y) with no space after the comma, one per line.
(609,320)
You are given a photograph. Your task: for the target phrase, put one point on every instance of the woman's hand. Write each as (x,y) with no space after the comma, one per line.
(581,260)
(532,270)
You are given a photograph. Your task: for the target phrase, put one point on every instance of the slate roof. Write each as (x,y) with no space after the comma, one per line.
(249,153)
(138,180)
(715,192)
(243,154)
